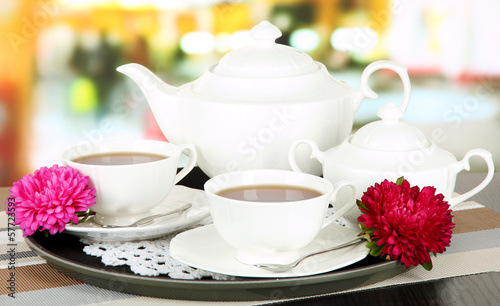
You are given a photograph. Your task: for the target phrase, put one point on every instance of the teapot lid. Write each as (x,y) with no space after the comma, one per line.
(265,58)
(390,134)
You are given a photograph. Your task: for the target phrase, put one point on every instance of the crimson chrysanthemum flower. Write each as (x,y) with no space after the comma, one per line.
(404,222)
(50,198)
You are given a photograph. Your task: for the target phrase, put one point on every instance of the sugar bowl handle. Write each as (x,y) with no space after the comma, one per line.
(316,153)
(465,165)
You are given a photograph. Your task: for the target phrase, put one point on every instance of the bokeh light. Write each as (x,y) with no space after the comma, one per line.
(197,43)
(304,39)
(354,39)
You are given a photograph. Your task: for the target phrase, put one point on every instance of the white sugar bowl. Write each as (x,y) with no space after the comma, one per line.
(389,149)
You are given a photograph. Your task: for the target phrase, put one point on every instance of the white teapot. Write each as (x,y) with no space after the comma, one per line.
(245,111)
(389,149)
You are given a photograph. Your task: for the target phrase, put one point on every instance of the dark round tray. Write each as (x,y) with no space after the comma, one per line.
(65,253)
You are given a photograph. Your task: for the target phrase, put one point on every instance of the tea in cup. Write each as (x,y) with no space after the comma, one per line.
(269,215)
(130,176)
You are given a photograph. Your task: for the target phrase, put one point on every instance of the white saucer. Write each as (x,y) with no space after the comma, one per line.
(203,248)
(178,196)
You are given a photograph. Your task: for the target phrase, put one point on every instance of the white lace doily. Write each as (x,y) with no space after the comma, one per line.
(148,257)
(152,257)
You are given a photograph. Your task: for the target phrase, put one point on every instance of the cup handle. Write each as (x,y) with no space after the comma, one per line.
(191,162)
(465,165)
(365,91)
(316,153)
(346,207)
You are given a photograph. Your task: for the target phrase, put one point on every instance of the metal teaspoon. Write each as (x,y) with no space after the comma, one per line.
(150,219)
(289,266)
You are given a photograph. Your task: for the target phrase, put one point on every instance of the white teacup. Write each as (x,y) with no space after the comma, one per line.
(127,192)
(271,232)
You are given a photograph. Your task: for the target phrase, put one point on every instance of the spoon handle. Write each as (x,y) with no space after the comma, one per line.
(149,219)
(286,267)
(339,246)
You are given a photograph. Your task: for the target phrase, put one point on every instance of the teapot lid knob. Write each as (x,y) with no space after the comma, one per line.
(390,113)
(265,58)
(265,33)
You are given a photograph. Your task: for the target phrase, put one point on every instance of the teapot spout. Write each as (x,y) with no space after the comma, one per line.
(162,98)
(153,87)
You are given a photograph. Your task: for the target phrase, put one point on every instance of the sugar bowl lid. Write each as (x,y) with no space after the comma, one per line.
(265,58)
(390,133)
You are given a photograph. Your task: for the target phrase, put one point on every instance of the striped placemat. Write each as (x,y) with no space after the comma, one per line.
(474,244)
(473,249)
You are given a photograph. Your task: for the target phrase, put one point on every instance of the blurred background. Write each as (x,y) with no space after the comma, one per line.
(58,84)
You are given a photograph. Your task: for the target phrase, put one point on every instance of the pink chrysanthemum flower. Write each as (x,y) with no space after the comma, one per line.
(50,198)
(406,223)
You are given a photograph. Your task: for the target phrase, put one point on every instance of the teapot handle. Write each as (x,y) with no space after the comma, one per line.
(465,165)
(365,91)
(316,153)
